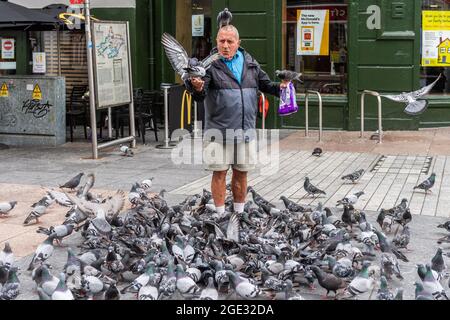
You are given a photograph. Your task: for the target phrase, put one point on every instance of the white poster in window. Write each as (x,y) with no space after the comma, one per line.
(198,25)
(39,62)
(313,32)
(8,48)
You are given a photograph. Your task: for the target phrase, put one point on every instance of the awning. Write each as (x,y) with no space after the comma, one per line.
(15,16)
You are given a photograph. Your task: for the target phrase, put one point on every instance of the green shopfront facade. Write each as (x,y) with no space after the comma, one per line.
(373,45)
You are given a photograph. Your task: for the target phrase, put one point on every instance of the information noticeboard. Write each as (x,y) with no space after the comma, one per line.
(435,38)
(112,65)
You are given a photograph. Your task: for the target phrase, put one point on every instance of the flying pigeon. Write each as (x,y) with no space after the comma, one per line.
(73,183)
(186,67)
(6,207)
(288,75)
(126,151)
(224,18)
(427,184)
(414,103)
(317,152)
(354,176)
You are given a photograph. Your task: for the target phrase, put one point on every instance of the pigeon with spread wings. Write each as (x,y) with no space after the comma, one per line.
(415,105)
(186,67)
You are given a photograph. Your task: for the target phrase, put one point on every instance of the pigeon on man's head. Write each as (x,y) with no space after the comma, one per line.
(288,75)
(415,104)
(317,152)
(427,184)
(224,18)
(6,207)
(186,67)
(126,151)
(73,183)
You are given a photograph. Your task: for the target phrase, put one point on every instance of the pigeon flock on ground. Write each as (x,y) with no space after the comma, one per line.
(188,251)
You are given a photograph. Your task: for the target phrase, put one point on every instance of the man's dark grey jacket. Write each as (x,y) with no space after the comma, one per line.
(228,104)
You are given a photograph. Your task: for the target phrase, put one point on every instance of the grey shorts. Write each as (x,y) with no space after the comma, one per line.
(219,157)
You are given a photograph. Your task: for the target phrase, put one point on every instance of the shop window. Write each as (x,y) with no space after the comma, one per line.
(435,51)
(316,44)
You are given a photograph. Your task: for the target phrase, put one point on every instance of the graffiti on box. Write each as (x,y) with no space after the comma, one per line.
(36,108)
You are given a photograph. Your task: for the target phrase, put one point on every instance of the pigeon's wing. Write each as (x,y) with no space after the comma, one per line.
(233,228)
(209,60)
(425,90)
(114,205)
(175,53)
(395,97)
(416,107)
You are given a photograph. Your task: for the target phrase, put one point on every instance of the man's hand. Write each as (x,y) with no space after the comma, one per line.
(284,84)
(197,84)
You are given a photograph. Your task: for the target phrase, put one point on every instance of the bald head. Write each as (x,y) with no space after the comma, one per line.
(228,41)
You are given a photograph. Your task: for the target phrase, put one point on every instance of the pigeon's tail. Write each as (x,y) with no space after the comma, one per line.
(43,231)
(416,107)
(30,217)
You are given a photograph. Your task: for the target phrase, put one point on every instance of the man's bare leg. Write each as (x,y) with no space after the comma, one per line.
(239,186)
(218,187)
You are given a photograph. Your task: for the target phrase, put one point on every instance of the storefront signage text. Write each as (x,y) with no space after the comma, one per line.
(374,20)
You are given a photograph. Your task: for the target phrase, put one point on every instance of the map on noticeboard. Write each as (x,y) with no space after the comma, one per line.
(112,65)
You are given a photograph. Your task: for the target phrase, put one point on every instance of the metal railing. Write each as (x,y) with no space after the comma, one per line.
(380,130)
(165,87)
(308,93)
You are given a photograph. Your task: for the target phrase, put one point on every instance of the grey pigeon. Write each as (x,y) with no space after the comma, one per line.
(291,205)
(311,189)
(224,18)
(73,183)
(186,67)
(317,152)
(437,262)
(402,240)
(288,75)
(62,292)
(258,199)
(112,293)
(10,289)
(350,199)
(415,104)
(39,209)
(445,225)
(45,280)
(60,231)
(354,176)
(6,207)
(383,292)
(328,281)
(427,184)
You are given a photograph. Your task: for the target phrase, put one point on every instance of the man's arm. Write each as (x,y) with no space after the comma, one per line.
(266,85)
(198,87)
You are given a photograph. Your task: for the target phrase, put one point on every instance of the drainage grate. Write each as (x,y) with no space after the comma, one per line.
(403,164)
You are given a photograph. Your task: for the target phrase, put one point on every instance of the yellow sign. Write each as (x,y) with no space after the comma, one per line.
(37,93)
(313,32)
(4,90)
(435,38)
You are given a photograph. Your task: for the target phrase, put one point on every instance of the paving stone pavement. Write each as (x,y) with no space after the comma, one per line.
(27,172)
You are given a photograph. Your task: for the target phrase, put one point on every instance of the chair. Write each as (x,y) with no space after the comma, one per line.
(77,109)
(143,104)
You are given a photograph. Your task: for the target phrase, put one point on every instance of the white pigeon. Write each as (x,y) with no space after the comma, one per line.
(147,184)
(350,199)
(415,105)
(6,207)
(148,292)
(126,151)
(43,252)
(6,256)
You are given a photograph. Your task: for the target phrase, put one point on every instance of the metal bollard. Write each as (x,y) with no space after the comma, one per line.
(308,92)
(380,129)
(165,87)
